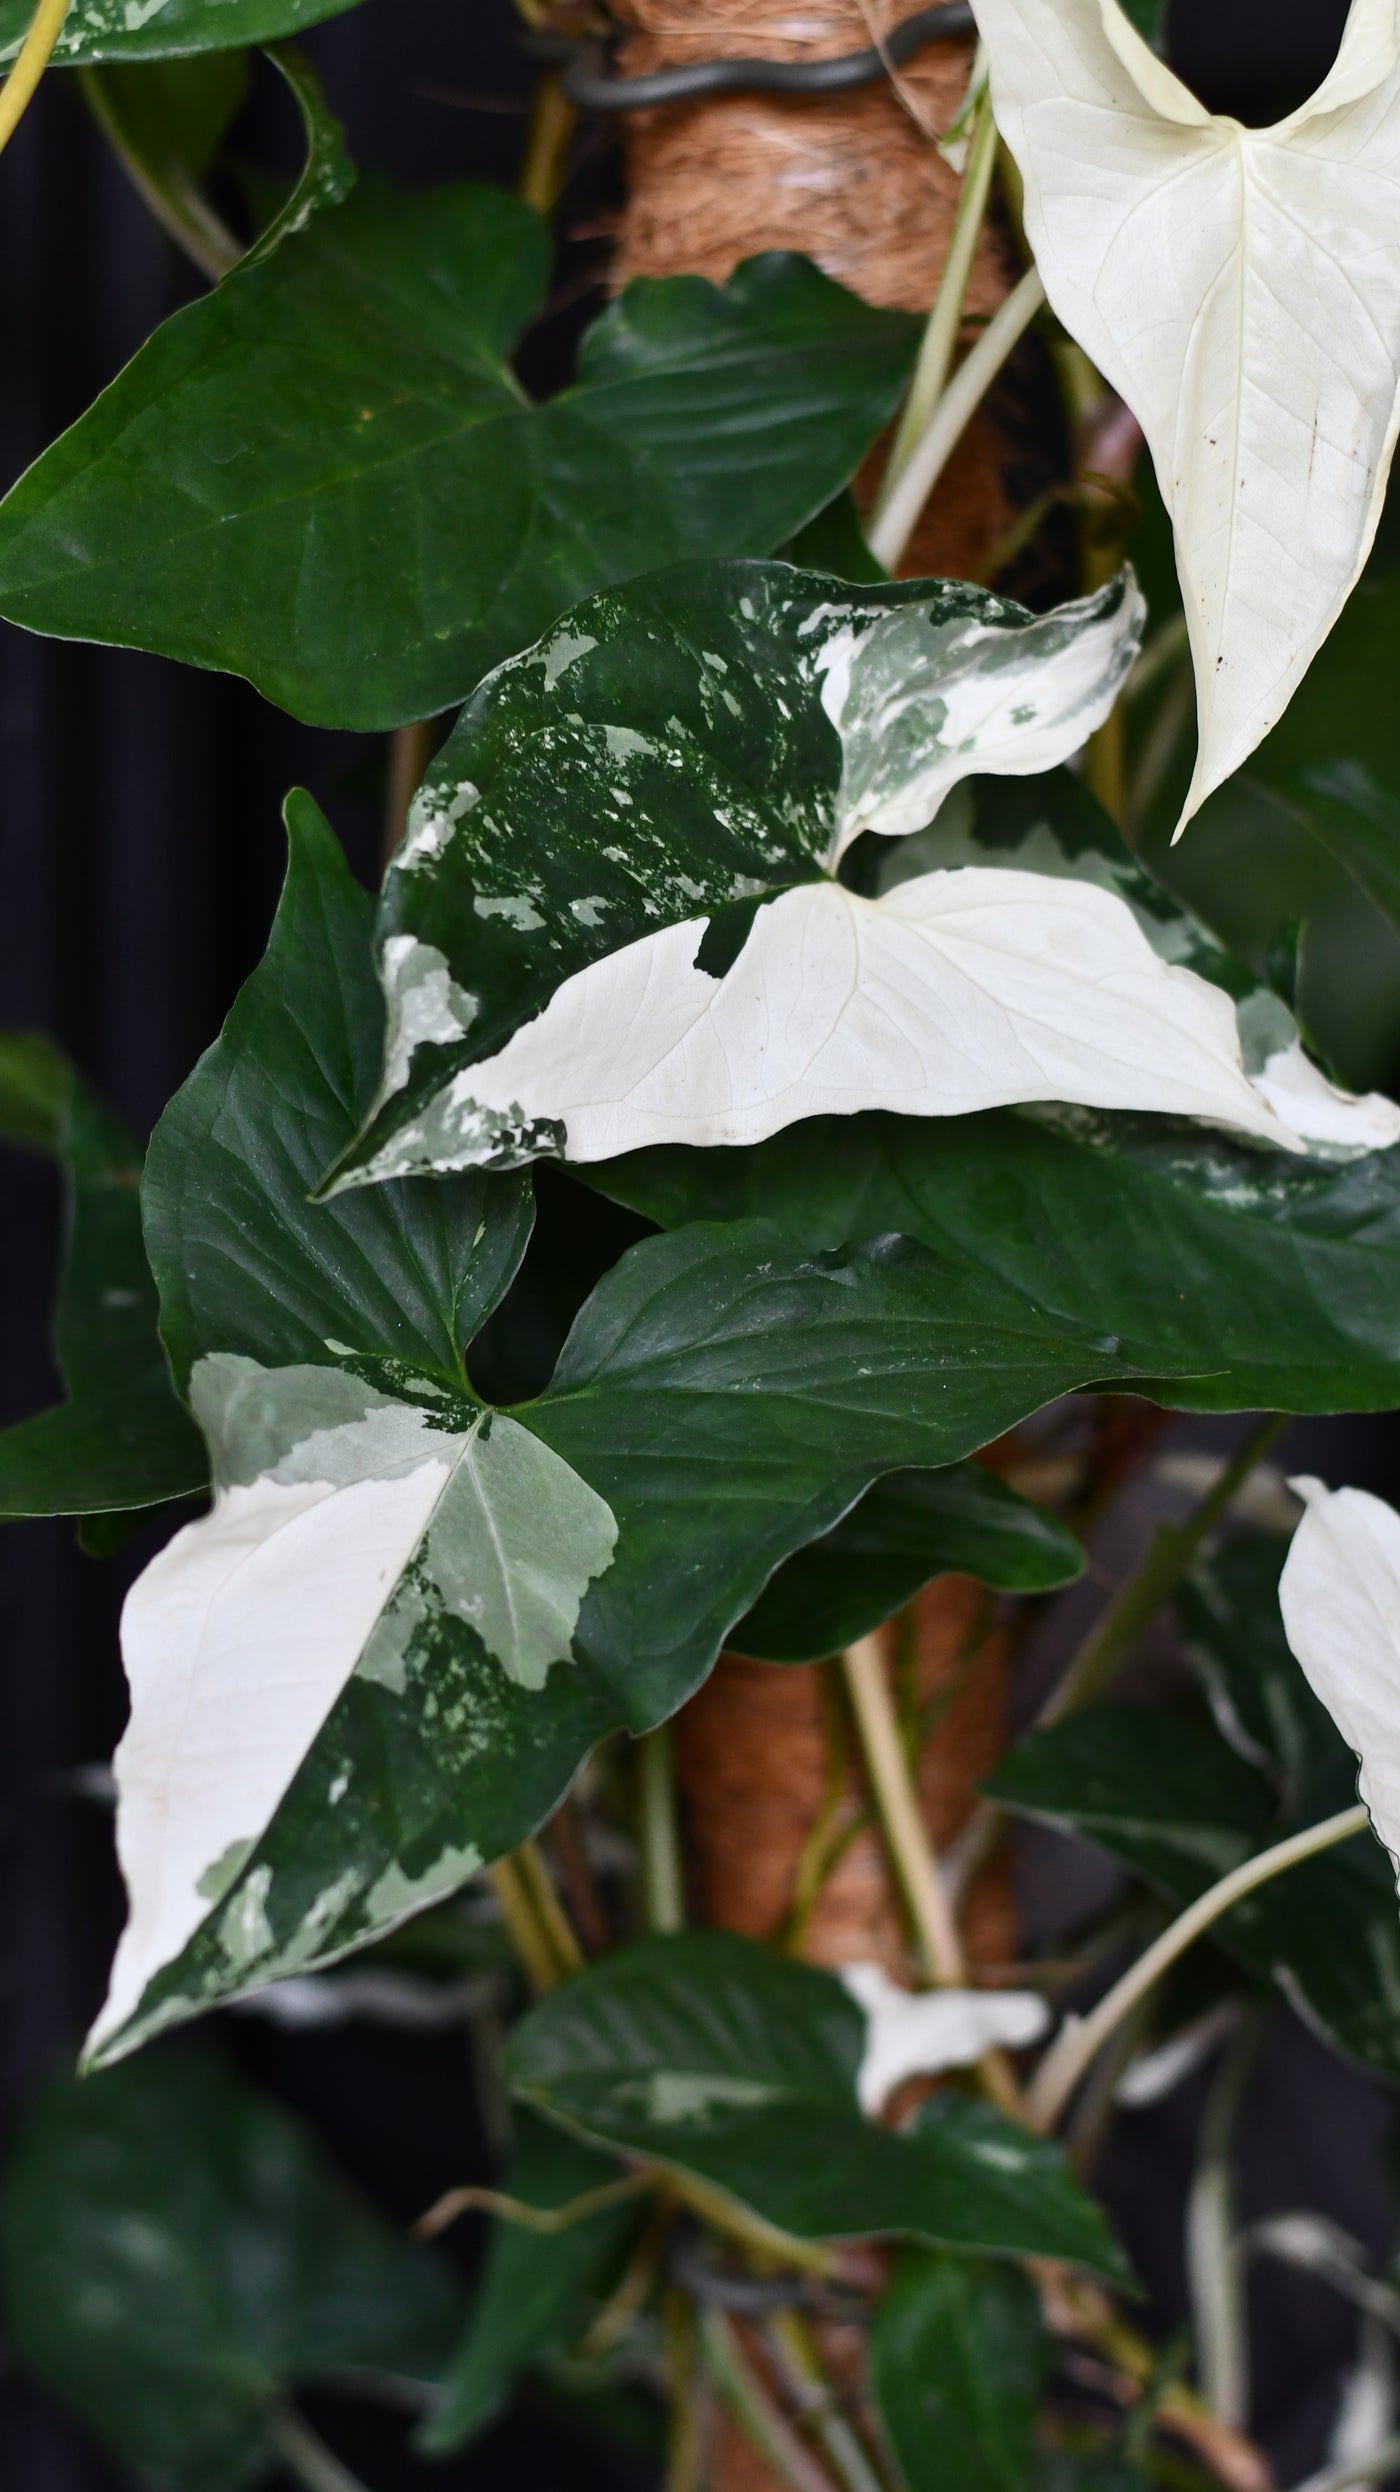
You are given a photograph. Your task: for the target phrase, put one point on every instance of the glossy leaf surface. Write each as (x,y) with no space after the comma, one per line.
(1237,288)
(910,1526)
(535,2286)
(326,477)
(959,2362)
(118,30)
(1166,1796)
(1340,1600)
(121,1440)
(176,2252)
(707,2053)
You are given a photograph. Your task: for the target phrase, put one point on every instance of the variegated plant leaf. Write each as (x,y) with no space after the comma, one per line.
(1340,1597)
(148,30)
(1241,289)
(628,912)
(383,1656)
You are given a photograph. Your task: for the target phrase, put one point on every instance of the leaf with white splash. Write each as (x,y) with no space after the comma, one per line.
(1241,290)
(347,1526)
(617,918)
(921,2033)
(1340,1597)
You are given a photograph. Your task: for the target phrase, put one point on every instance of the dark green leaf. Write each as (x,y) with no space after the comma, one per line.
(167,121)
(834,541)
(1165,1795)
(112,30)
(244,1261)
(1150,19)
(1270,1283)
(121,1441)
(176,2251)
(909,1527)
(535,2287)
(959,2362)
(714,2057)
(1230,1622)
(326,177)
(326,477)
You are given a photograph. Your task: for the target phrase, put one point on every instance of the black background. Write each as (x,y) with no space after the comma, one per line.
(140,857)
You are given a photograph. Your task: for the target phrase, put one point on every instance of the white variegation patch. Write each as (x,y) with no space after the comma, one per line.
(1241,289)
(1340,1598)
(343,1521)
(920,2033)
(980,988)
(919,709)
(1315,1108)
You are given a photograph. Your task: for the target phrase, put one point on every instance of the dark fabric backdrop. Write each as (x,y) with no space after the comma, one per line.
(142,852)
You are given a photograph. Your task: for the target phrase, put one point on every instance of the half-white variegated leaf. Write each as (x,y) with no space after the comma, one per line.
(347,1528)
(1340,1598)
(621,917)
(1241,289)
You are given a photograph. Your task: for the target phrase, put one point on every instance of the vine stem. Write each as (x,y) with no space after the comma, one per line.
(763,2420)
(539,1927)
(1083,2036)
(1214,2265)
(891,531)
(30,64)
(941,335)
(912,1856)
(658,1830)
(307,2457)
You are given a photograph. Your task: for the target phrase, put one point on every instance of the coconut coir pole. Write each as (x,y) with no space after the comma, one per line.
(857,182)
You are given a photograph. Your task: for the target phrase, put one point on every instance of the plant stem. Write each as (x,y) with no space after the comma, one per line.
(738,2223)
(176,202)
(685,2447)
(940,338)
(552,125)
(1081,2037)
(890,533)
(790,2339)
(1213,2262)
(743,2391)
(1135,1604)
(473,2200)
(897,1807)
(30,64)
(911,1854)
(307,2457)
(658,1830)
(539,1929)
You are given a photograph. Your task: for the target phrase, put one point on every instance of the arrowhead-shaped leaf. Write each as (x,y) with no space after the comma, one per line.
(1340,1599)
(325,475)
(704,2052)
(617,918)
(148,30)
(121,1441)
(1238,287)
(176,2253)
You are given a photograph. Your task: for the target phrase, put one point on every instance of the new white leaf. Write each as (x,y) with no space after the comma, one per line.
(1241,290)
(1340,1598)
(921,2033)
(342,1521)
(979,988)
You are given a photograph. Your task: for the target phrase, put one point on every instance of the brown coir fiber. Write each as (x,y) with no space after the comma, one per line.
(853,180)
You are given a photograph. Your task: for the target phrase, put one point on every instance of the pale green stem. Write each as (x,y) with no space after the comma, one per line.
(766,2425)
(308,2459)
(790,2340)
(897,1807)
(30,64)
(891,531)
(1137,1602)
(1081,2038)
(945,320)
(658,1831)
(1160,653)
(1215,2264)
(176,202)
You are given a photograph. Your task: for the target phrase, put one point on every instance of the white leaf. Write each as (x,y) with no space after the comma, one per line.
(1340,1598)
(919,2033)
(1314,1107)
(1241,290)
(342,1521)
(979,988)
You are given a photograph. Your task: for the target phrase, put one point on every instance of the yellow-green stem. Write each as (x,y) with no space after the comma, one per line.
(890,533)
(31,62)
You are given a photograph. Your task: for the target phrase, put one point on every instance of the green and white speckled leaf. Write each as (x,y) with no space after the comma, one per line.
(618,919)
(725,1396)
(326,476)
(150,30)
(351,1531)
